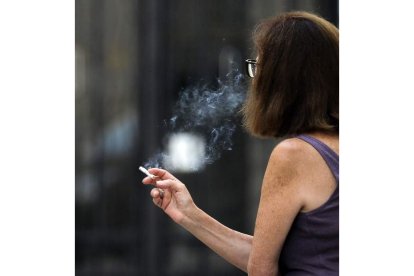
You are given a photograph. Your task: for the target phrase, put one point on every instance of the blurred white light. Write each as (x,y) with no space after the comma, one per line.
(186,152)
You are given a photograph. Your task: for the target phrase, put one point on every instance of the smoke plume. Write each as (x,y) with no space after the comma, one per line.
(209,113)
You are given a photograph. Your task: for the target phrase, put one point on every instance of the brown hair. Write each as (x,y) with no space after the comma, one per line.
(296,87)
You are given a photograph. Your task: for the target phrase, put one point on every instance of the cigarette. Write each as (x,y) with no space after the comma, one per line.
(144,170)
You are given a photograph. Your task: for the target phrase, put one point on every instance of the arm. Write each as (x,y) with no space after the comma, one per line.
(231,245)
(176,202)
(280,201)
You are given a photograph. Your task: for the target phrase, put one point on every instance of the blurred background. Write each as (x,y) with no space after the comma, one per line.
(132,60)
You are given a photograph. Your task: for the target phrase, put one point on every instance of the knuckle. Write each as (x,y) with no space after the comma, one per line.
(181,185)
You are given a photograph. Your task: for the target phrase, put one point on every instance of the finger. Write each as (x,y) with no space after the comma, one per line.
(157,201)
(149,180)
(161,191)
(155,193)
(172,184)
(163,174)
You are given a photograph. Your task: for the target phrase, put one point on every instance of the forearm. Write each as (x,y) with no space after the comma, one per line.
(233,246)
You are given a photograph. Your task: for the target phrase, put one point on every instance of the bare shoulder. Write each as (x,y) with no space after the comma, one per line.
(301,167)
(285,166)
(289,153)
(288,168)
(297,153)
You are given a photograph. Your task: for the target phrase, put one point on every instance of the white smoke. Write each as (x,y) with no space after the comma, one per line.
(209,113)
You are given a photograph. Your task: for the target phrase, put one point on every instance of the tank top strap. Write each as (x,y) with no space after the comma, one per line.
(331,158)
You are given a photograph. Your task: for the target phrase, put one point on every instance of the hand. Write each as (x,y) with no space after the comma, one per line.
(170,194)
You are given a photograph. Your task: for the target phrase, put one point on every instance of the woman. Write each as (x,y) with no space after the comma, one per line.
(294,95)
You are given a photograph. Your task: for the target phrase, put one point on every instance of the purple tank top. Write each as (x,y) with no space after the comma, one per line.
(312,244)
